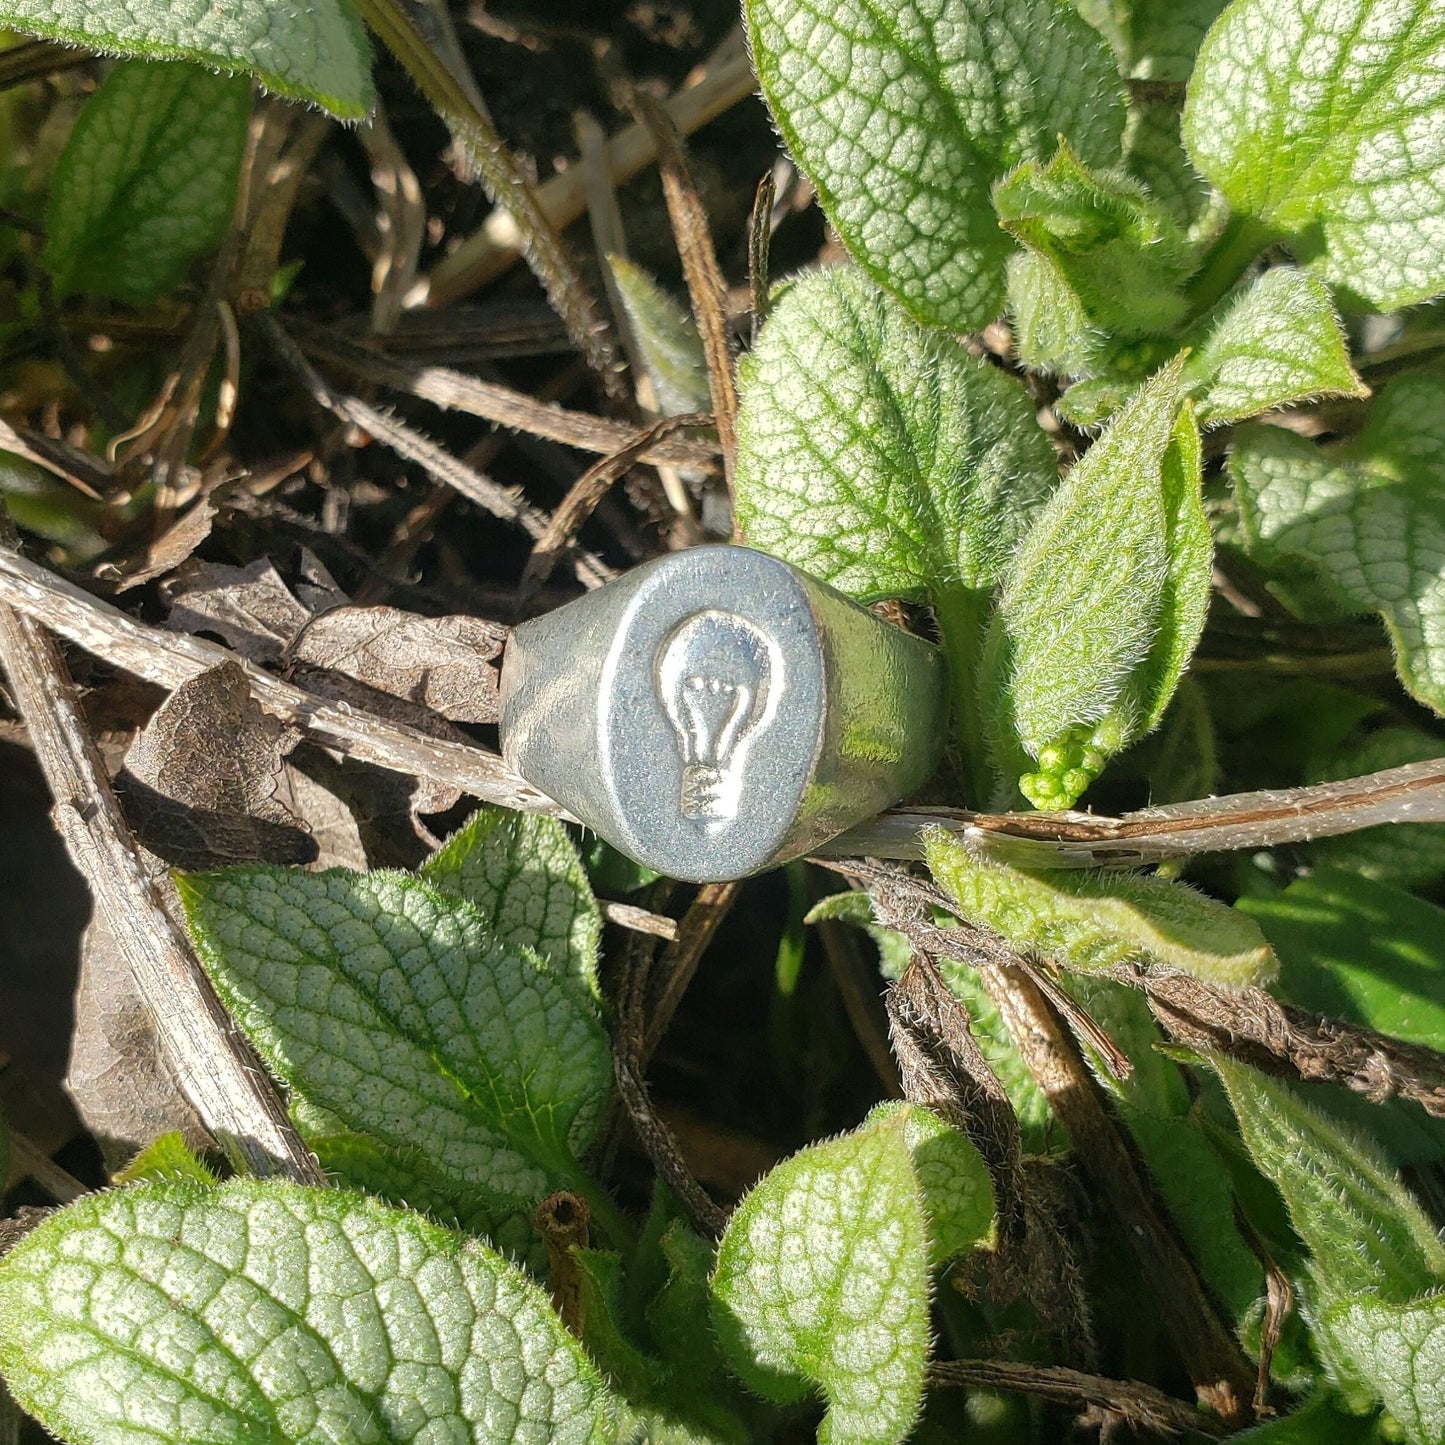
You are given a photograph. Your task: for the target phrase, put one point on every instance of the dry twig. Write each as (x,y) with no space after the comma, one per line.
(504,502)
(588,490)
(1279,1038)
(1139,1406)
(705,283)
(211,1063)
(456,391)
(725,79)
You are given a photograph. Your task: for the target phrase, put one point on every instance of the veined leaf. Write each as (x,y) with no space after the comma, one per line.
(1367,518)
(264,1311)
(878,456)
(1093,920)
(1277,342)
(147,180)
(822,1276)
(1393,1353)
(523,875)
(316,51)
(903,115)
(1325,125)
(392,1006)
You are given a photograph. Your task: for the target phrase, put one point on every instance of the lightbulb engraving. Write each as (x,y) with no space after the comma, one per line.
(718,677)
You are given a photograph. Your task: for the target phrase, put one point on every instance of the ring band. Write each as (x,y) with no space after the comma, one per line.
(717,712)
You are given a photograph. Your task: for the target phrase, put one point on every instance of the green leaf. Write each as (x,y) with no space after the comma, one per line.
(1395,1354)
(1119,250)
(1095,920)
(822,1275)
(524,876)
(268,1312)
(1279,341)
(1325,125)
(1052,332)
(677,1401)
(1366,518)
(894,949)
(1165,36)
(1321,1420)
(1103,601)
(407,1179)
(1363,1230)
(147,181)
(1359,950)
(316,51)
(957,1188)
(392,1006)
(1154,154)
(666,338)
(904,115)
(167,1157)
(879,456)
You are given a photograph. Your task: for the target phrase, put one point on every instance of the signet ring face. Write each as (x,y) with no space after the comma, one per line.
(716,712)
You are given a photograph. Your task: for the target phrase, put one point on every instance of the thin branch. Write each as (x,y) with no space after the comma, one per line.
(456,391)
(705,283)
(504,502)
(170,658)
(211,1063)
(1140,1406)
(724,79)
(1217,1367)
(584,495)
(1414,793)
(1282,1039)
(681,957)
(503,181)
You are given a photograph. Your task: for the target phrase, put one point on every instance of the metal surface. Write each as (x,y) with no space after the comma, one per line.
(716,712)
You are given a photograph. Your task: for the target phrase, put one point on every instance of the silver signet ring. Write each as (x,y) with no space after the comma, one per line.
(716,712)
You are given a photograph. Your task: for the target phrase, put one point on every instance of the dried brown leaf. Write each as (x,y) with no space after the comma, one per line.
(199,783)
(121,1087)
(251,608)
(447,664)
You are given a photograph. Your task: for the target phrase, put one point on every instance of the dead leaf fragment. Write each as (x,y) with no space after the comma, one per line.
(448,664)
(199,783)
(116,1076)
(251,608)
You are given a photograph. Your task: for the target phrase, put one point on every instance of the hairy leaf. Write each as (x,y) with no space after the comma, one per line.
(1117,248)
(264,1311)
(903,115)
(1103,601)
(667,339)
(1325,125)
(822,1276)
(316,51)
(147,181)
(1275,343)
(392,1006)
(1367,518)
(524,877)
(1363,1230)
(878,456)
(1094,920)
